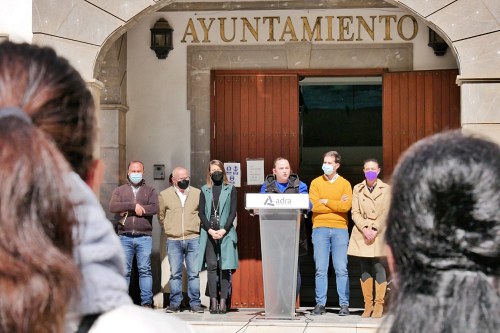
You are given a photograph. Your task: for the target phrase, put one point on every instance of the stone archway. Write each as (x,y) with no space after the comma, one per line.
(84,31)
(90,34)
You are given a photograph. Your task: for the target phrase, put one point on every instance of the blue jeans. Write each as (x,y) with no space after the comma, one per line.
(326,240)
(141,248)
(179,251)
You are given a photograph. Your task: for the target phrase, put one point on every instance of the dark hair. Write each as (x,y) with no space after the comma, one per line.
(54,94)
(221,166)
(444,232)
(38,277)
(371,160)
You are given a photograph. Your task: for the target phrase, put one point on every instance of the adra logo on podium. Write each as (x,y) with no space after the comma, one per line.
(269,201)
(277,201)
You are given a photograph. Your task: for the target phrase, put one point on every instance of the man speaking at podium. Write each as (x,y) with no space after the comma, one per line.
(282,180)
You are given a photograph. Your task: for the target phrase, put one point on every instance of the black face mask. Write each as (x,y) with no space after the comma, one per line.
(217,176)
(183,184)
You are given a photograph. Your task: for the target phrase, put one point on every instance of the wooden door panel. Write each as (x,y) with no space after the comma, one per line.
(253,115)
(416,104)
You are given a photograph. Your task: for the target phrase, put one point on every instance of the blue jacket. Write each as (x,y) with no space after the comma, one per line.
(294,185)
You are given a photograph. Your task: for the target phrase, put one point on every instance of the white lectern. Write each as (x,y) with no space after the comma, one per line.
(279,216)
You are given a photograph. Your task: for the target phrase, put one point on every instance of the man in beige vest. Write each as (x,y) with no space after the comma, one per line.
(179,217)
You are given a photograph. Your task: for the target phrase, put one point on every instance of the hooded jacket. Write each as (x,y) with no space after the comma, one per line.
(98,254)
(294,186)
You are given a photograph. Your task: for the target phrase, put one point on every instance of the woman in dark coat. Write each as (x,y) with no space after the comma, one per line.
(218,239)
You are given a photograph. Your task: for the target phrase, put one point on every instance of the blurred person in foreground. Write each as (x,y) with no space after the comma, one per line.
(443,234)
(61,264)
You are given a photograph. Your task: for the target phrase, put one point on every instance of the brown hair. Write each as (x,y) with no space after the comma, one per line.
(279,159)
(132,162)
(38,276)
(54,94)
(221,166)
(333,154)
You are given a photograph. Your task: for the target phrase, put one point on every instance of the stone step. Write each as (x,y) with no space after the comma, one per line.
(253,320)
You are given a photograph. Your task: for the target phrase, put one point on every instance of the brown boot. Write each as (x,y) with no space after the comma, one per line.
(378,309)
(367,289)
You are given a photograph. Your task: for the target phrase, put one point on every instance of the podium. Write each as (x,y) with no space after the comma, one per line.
(279,216)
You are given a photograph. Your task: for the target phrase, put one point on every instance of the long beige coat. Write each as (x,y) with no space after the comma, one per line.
(369,210)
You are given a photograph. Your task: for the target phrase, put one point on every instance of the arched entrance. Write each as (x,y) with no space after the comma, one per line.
(84,33)
(95,45)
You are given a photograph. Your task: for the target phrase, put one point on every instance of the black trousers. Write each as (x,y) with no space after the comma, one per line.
(373,267)
(212,251)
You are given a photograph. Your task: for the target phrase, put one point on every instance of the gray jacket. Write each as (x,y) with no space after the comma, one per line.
(98,253)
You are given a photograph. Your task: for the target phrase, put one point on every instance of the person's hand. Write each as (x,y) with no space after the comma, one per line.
(221,233)
(214,234)
(344,197)
(368,234)
(139,210)
(323,201)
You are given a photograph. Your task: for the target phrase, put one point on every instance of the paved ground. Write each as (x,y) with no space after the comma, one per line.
(253,320)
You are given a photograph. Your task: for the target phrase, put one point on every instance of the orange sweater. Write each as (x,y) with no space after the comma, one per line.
(334,213)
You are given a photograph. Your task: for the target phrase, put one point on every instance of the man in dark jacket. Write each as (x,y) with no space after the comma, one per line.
(282,180)
(134,204)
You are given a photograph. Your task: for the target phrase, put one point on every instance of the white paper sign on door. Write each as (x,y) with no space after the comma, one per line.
(255,171)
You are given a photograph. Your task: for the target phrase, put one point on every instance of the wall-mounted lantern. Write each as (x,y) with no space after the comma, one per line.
(437,43)
(161,38)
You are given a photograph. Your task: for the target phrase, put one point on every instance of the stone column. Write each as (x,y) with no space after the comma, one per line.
(480,108)
(112,149)
(96,87)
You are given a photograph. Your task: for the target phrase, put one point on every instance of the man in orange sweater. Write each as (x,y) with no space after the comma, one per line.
(331,197)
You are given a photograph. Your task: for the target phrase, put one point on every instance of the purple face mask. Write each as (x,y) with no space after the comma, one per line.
(371,175)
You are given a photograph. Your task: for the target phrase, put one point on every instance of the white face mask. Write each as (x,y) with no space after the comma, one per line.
(327,169)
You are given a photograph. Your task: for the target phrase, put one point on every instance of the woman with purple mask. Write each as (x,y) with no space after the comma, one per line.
(370,204)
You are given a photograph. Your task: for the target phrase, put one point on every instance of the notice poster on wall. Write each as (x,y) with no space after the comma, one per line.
(255,171)
(233,172)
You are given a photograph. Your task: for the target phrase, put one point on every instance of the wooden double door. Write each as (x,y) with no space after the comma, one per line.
(256,115)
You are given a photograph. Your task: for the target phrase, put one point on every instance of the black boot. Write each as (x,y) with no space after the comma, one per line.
(222,306)
(213,305)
